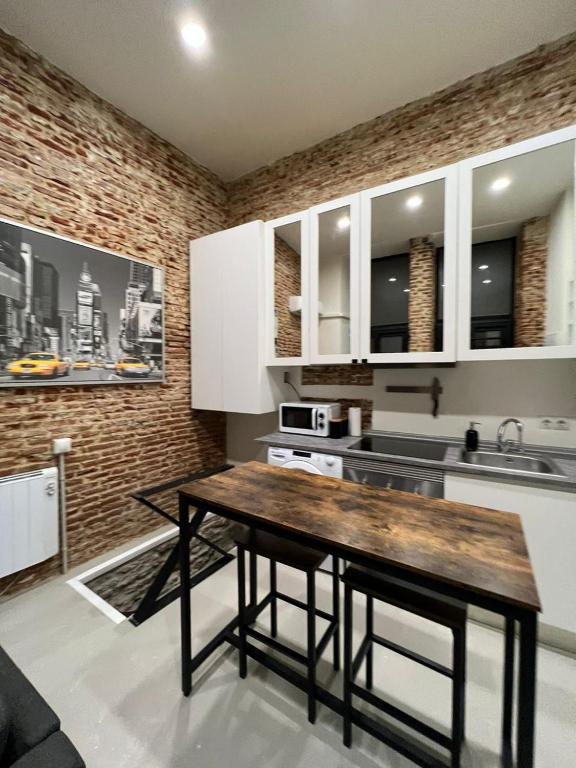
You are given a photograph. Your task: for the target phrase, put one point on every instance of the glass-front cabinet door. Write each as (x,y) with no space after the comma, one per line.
(408,269)
(517,293)
(287,290)
(334,281)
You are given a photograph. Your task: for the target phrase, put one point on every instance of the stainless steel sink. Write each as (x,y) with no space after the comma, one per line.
(511,462)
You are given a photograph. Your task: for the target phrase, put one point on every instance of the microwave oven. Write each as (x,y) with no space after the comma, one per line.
(308,418)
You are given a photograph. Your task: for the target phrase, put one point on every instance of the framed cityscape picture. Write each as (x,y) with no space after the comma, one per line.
(74,314)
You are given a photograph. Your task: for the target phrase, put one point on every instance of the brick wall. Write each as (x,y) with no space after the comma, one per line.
(287,282)
(528,96)
(530,284)
(72,164)
(422,299)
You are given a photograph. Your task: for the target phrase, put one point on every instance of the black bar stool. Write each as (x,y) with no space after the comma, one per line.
(278,550)
(422,603)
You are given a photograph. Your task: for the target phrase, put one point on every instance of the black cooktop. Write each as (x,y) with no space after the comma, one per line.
(402,446)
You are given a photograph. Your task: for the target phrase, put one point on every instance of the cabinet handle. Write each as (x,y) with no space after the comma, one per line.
(364,359)
(354,360)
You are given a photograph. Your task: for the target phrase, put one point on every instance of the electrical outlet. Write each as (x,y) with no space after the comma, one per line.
(562,424)
(546,423)
(286,377)
(555,423)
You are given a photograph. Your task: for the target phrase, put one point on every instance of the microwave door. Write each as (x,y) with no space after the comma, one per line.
(297,418)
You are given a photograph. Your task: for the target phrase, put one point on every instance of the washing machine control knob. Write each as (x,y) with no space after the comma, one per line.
(329,461)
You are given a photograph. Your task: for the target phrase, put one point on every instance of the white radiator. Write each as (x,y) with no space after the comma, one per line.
(28,519)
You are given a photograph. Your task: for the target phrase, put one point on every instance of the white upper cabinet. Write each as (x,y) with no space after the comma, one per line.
(517,244)
(287,310)
(408,269)
(334,281)
(227,322)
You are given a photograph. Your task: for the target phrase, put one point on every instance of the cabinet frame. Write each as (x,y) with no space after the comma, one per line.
(465,171)
(316,357)
(269,274)
(449,174)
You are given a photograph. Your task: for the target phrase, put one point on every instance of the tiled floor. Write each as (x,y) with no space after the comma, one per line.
(116,687)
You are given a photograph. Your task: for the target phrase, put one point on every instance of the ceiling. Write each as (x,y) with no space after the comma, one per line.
(277,75)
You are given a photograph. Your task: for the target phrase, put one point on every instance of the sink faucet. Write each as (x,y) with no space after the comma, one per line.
(505,445)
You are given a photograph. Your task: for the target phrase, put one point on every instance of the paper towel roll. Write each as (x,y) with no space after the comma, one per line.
(355,422)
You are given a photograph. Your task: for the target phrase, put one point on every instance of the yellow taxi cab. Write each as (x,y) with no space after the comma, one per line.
(131,366)
(42,364)
(82,365)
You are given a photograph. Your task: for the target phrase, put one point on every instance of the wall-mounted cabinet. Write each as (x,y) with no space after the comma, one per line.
(334,281)
(517,251)
(228,322)
(408,269)
(287,248)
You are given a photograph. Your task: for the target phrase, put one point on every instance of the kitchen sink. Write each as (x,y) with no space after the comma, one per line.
(511,462)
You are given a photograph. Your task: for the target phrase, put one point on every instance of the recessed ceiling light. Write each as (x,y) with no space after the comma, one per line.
(486,282)
(500,184)
(344,222)
(194,35)
(414,202)
(391,279)
(406,290)
(483,266)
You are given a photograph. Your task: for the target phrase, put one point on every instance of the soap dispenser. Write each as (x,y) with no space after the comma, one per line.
(472,437)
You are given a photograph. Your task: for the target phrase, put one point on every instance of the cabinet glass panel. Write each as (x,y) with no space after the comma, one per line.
(523,250)
(407,239)
(334,281)
(288,290)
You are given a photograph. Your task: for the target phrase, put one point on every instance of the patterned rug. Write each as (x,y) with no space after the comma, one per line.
(125,586)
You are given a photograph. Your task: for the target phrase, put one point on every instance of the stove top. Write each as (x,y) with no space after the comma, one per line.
(402,446)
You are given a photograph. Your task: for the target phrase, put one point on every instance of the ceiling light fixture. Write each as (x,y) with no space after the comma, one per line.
(486,282)
(483,266)
(500,184)
(344,222)
(391,279)
(406,290)
(194,35)
(414,202)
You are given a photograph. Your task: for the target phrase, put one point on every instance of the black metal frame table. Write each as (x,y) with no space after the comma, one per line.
(518,619)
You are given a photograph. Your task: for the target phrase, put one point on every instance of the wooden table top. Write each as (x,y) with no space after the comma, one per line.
(480,550)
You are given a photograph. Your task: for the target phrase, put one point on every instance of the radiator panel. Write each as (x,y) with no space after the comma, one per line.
(28,519)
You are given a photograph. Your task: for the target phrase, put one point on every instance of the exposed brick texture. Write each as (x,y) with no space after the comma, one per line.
(530,284)
(422,304)
(355,375)
(528,96)
(74,165)
(287,282)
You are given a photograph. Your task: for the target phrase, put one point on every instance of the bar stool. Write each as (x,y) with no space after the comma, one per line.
(278,550)
(420,602)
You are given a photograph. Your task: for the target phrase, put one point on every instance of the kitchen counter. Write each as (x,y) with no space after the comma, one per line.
(564,459)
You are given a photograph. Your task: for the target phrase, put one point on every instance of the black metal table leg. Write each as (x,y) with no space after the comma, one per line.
(336,611)
(508,696)
(311,602)
(370,634)
(526,691)
(458,694)
(348,617)
(185,622)
(274,600)
(253,579)
(242,619)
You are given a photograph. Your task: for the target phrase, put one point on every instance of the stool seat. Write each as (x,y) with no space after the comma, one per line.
(278,549)
(417,600)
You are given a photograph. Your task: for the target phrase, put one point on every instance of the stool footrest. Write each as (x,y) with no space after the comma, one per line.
(301,605)
(280,647)
(398,714)
(434,665)
(326,637)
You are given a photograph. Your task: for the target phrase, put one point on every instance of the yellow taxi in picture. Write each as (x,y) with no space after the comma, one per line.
(45,365)
(82,365)
(131,366)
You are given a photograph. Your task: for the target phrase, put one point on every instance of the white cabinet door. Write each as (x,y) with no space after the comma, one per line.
(549,522)
(287,270)
(408,269)
(517,251)
(227,322)
(335,281)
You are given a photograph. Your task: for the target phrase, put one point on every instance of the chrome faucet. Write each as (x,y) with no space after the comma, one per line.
(506,445)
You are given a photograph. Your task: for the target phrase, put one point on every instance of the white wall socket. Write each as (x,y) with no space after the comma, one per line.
(61,445)
(556,423)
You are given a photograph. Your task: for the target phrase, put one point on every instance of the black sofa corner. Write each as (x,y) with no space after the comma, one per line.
(30,735)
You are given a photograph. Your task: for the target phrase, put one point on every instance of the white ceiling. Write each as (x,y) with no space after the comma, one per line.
(279,75)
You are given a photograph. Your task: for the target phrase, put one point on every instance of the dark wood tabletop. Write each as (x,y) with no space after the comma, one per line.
(479,550)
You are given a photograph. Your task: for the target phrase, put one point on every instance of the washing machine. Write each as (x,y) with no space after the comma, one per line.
(307,461)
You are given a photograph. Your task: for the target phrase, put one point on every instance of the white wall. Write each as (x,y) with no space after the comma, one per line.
(483,391)
(560,268)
